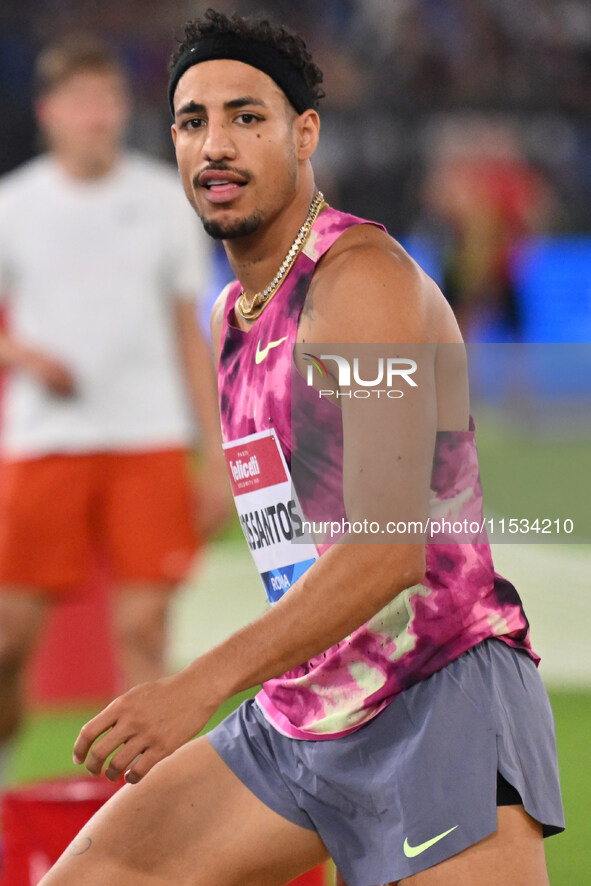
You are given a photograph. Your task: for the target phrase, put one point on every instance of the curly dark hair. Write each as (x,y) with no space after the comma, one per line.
(260,30)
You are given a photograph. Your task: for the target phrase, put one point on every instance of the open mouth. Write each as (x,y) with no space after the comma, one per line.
(221,186)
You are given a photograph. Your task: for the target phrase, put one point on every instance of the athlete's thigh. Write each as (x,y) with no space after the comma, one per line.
(190,822)
(512,856)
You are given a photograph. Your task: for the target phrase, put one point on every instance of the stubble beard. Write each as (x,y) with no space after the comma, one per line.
(242,227)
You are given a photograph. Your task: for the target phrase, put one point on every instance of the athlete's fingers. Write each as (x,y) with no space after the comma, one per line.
(124,758)
(89,733)
(106,745)
(102,750)
(152,715)
(143,764)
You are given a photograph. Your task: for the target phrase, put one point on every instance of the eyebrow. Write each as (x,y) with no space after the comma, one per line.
(193,107)
(245,100)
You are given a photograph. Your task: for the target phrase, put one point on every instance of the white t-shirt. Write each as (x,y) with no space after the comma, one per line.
(89,272)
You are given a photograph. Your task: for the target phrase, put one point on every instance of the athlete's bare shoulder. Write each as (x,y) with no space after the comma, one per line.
(368,288)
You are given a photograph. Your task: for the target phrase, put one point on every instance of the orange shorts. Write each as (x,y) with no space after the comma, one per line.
(135,511)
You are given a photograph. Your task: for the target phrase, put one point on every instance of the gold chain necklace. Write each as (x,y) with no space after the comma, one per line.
(250,310)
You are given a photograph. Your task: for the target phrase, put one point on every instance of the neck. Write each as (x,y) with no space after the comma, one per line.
(255,259)
(86,168)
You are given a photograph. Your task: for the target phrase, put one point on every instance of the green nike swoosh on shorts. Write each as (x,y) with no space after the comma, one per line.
(413,851)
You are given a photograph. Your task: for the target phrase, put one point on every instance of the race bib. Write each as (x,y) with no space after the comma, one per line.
(269,511)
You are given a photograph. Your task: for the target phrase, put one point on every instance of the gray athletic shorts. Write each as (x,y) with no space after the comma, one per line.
(418,783)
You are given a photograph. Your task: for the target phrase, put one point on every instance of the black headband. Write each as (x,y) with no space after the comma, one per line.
(259,55)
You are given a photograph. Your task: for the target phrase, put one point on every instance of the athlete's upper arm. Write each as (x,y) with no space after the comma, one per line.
(369,290)
(368,322)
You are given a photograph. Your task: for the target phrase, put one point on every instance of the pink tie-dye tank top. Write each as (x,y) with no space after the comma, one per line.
(460,602)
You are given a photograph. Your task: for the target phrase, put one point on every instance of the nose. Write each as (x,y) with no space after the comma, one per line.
(218,144)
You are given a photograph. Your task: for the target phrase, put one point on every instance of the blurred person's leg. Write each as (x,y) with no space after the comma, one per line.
(22,615)
(151,542)
(140,628)
(43,551)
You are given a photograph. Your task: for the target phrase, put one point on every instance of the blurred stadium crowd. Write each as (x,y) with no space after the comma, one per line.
(467,120)
(399,74)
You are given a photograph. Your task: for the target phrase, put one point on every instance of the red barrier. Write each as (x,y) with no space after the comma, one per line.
(40,820)
(76,660)
(317,877)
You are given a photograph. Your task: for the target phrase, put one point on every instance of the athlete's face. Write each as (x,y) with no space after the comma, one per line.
(239,145)
(84,117)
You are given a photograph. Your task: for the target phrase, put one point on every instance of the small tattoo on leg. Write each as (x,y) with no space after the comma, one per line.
(80,846)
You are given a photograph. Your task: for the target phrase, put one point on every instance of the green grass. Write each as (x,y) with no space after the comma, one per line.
(530,474)
(569,854)
(45,751)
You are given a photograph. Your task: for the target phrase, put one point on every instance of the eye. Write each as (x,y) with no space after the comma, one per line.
(247,118)
(193,123)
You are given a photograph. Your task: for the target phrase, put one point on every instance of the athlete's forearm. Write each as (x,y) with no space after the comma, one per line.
(339,593)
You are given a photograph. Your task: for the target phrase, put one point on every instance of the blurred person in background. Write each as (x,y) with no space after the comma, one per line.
(109,376)
(484,196)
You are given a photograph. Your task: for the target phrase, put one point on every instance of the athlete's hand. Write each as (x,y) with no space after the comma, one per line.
(143,727)
(51,372)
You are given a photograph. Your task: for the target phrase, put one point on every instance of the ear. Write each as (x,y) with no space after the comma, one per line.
(308,131)
(174,133)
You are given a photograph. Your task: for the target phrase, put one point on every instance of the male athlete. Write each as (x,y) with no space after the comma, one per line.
(415,744)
